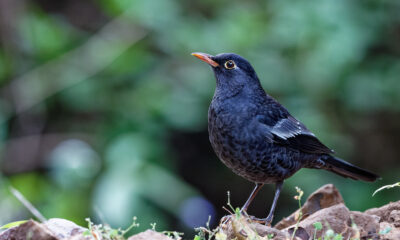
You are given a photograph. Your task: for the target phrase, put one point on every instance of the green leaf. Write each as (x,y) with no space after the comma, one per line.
(270,236)
(87,233)
(13,224)
(385,231)
(338,237)
(317,225)
(237,213)
(114,232)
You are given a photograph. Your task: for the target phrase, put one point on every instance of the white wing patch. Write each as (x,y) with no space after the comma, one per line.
(290,127)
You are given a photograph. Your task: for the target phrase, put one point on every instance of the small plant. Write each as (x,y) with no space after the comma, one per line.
(386,187)
(331,235)
(174,234)
(205,233)
(270,236)
(354,226)
(317,227)
(153,226)
(101,231)
(235,210)
(300,193)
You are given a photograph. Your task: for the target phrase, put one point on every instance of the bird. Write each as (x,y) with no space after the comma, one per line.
(257,138)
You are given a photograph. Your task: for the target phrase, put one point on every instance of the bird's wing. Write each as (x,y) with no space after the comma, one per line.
(289,131)
(289,127)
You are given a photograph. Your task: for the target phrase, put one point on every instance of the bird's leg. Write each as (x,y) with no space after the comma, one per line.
(251,197)
(243,210)
(278,189)
(268,220)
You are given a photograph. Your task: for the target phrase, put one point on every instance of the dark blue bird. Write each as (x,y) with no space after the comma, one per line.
(256,137)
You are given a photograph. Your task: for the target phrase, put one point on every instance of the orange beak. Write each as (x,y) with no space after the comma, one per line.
(206,58)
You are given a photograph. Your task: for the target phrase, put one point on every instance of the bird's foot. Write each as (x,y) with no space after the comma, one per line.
(264,221)
(258,220)
(225,219)
(267,221)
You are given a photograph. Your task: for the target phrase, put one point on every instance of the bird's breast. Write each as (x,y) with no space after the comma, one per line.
(244,149)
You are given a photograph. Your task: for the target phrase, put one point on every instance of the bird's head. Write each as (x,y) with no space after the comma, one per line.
(232,71)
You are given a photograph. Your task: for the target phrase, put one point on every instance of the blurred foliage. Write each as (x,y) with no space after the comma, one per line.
(103,111)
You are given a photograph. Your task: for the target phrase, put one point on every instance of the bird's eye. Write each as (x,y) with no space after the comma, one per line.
(230,64)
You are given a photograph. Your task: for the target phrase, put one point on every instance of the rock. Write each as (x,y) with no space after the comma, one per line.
(326,196)
(53,229)
(366,225)
(265,231)
(335,218)
(299,232)
(63,228)
(340,220)
(385,211)
(29,230)
(79,237)
(244,229)
(394,217)
(392,234)
(324,206)
(149,234)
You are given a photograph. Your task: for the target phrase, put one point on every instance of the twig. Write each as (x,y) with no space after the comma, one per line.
(229,211)
(27,204)
(386,187)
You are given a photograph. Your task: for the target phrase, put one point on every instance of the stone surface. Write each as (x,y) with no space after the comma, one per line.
(340,220)
(243,229)
(366,225)
(78,237)
(149,235)
(53,229)
(324,197)
(29,230)
(394,217)
(384,211)
(334,217)
(393,234)
(63,228)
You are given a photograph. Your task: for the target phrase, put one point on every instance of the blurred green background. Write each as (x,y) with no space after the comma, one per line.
(103,112)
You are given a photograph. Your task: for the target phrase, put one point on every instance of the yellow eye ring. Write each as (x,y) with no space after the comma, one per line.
(230,64)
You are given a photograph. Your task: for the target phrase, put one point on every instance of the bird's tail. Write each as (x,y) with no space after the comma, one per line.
(348,170)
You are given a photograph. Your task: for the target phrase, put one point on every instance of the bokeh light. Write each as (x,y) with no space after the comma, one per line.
(103,111)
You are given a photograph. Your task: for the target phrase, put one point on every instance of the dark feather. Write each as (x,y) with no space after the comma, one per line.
(346,169)
(304,143)
(294,134)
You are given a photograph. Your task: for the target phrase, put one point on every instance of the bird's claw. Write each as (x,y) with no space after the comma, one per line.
(267,221)
(225,219)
